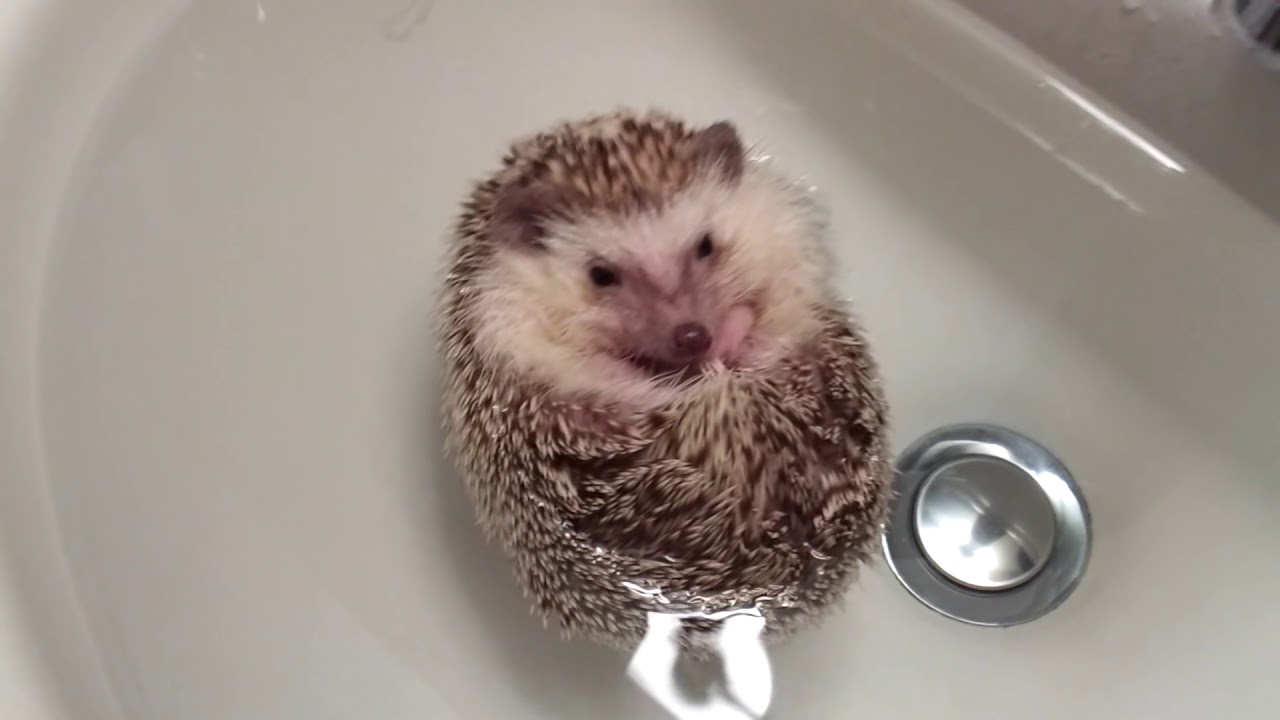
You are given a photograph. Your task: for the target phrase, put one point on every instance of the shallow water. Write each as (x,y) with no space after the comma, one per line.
(239,387)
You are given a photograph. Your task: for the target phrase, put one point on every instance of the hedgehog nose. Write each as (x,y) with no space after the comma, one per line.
(691,339)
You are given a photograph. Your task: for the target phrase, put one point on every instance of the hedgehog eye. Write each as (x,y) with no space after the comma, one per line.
(705,247)
(603,277)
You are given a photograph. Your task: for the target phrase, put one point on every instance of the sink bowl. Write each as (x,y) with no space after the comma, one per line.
(221,487)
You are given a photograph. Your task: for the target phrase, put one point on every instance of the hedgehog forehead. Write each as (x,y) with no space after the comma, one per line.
(655,242)
(617,164)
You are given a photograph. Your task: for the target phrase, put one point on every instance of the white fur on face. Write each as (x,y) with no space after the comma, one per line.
(539,313)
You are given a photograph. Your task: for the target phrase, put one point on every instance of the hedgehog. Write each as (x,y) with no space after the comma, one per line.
(654,398)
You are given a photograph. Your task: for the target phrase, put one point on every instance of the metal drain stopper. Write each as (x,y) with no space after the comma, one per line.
(984,523)
(987,527)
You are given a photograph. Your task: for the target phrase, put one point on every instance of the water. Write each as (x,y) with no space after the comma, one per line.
(240,361)
(241,379)
(747,688)
(237,367)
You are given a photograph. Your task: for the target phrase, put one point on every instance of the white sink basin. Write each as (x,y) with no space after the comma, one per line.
(221,490)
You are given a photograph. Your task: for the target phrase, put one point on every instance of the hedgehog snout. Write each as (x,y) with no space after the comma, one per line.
(690,340)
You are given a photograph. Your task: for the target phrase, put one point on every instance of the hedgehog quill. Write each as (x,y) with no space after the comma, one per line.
(651,391)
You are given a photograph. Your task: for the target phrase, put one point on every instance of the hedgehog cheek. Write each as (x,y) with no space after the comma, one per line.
(731,336)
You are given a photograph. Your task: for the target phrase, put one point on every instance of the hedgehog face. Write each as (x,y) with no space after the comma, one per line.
(651,290)
(720,273)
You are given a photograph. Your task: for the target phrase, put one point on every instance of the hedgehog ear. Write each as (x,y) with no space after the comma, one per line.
(719,145)
(520,214)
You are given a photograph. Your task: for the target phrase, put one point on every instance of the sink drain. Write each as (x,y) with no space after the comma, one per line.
(986,526)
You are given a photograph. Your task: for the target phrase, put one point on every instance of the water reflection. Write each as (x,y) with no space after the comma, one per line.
(747,687)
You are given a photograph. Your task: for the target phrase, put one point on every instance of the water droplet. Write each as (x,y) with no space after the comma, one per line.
(818,555)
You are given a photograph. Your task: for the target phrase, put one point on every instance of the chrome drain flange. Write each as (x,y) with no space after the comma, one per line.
(986,526)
